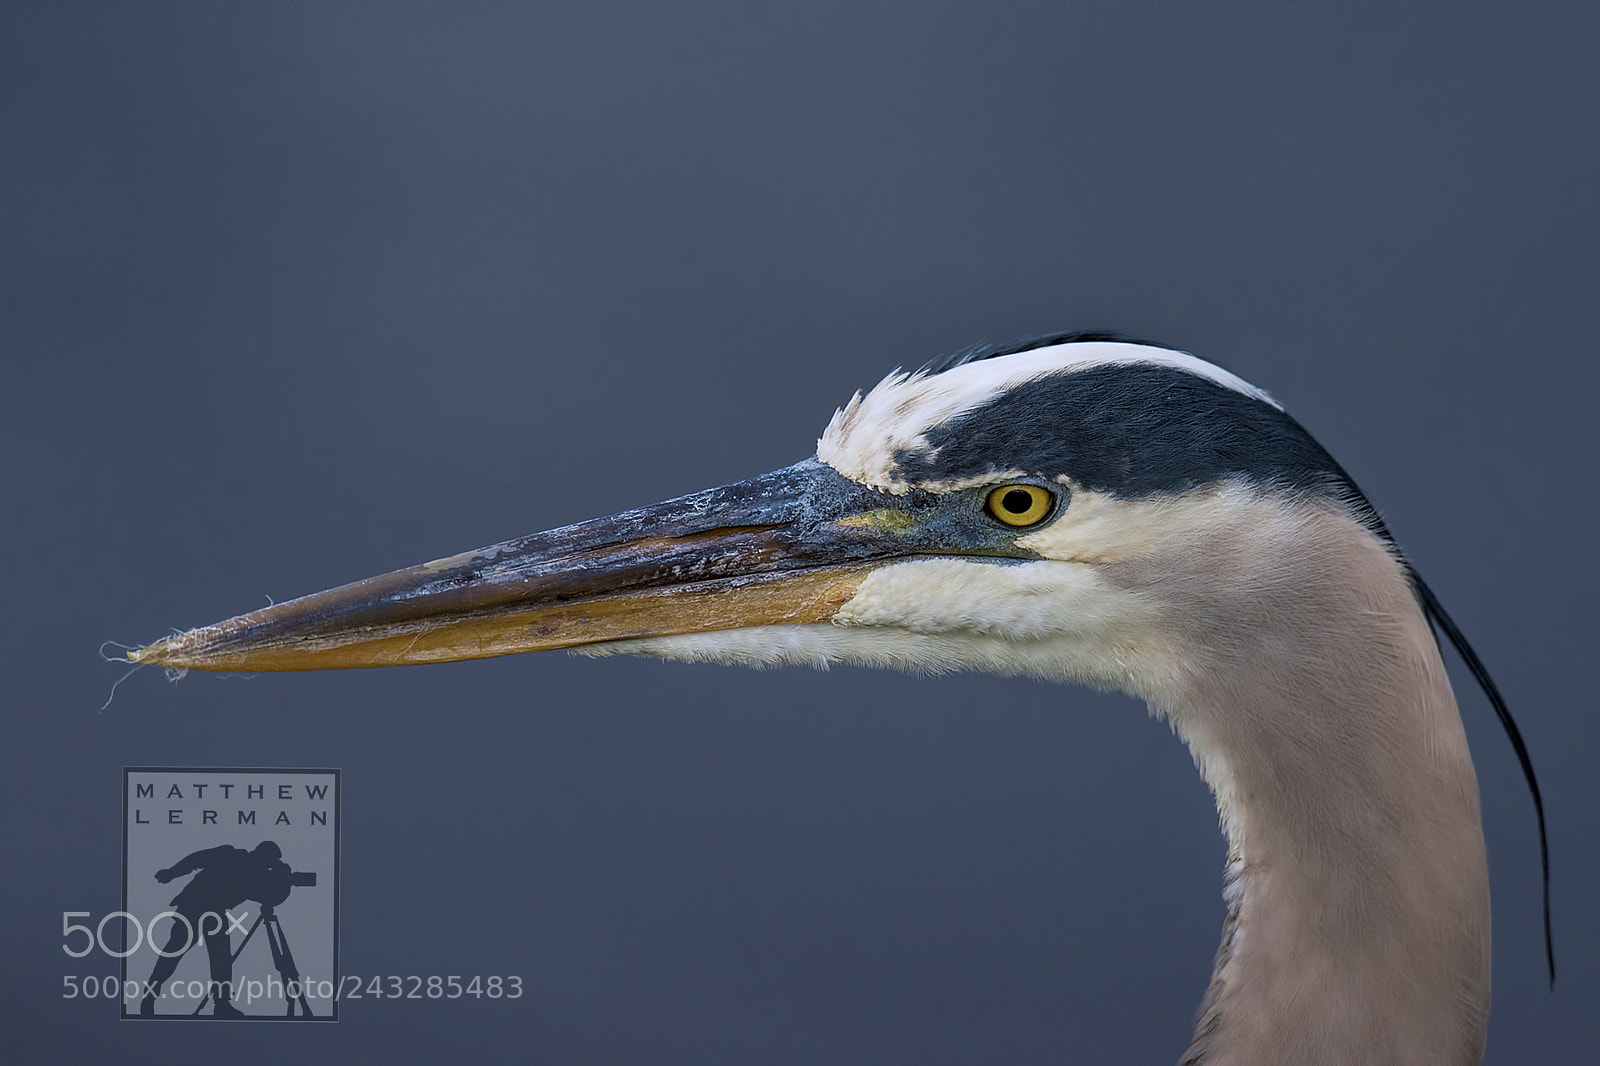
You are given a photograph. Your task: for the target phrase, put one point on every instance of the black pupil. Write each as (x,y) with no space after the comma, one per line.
(1017,501)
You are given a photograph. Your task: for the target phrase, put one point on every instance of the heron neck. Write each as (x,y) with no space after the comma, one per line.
(1357,889)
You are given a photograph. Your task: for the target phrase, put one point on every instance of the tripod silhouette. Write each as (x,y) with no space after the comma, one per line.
(282,958)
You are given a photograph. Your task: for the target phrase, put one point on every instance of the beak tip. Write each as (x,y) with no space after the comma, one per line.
(168,651)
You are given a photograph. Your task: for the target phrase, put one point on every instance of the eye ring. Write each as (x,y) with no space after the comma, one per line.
(1019,504)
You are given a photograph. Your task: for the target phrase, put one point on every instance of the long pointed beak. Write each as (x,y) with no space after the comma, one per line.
(788,547)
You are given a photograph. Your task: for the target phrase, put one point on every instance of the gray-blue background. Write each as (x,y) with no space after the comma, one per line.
(294,294)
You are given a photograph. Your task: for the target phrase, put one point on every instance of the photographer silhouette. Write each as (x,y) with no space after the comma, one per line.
(226,877)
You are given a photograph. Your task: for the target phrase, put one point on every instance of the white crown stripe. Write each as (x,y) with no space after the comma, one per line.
(864,437)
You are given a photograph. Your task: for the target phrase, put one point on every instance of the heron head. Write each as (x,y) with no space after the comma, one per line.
(1009,508)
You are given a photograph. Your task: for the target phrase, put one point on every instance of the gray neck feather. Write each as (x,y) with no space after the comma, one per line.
(1317,707)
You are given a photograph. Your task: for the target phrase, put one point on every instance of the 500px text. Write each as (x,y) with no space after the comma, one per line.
(211,923)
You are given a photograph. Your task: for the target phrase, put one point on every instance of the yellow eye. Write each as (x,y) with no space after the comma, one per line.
(1020,505)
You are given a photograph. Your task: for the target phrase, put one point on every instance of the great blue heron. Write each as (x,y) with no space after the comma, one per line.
(1070,507)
